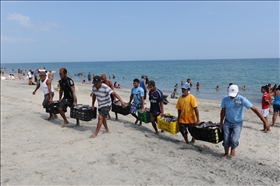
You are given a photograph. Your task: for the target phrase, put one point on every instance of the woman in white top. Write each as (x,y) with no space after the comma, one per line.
(48,91)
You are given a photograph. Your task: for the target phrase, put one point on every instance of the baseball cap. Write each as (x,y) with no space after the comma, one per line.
(96,79)
(151,84)
(42,73)
(186,86)
(232,90)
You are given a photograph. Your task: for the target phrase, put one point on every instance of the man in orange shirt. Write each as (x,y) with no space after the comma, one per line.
(188,114)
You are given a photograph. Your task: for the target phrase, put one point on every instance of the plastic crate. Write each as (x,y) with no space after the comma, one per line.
(144,116)
(53,108)
(168,126)
(208,134)
(117,107)
(83,112)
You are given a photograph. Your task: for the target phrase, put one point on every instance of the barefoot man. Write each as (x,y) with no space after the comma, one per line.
(188,114)
(231,118)
(67,89)
(102,92)
(156,100)
(48,91)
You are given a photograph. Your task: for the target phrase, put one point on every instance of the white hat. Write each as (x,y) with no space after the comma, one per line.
(233,90)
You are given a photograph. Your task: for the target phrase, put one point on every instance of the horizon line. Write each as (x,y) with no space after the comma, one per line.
(138,60)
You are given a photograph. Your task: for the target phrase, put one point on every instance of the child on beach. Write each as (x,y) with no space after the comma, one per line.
(265,103)
(231,118)
(276,104)
(188,114)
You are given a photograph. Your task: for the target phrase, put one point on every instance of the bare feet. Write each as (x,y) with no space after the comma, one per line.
(265,130)
(193,140)
(225,156)
(93,136)
(64,124)
(232,152)
(105,131)
(50,117)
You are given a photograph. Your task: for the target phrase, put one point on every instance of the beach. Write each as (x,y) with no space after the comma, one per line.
(35,151)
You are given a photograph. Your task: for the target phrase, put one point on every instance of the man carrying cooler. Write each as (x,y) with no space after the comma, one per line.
(156,100)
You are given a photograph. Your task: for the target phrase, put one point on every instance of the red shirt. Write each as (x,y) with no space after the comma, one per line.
(265,98)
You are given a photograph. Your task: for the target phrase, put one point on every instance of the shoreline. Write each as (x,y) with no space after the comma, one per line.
(35,151)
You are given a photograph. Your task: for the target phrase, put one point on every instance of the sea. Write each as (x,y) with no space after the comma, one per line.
(253,73)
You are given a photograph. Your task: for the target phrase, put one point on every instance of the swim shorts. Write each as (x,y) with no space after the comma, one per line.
(104,111)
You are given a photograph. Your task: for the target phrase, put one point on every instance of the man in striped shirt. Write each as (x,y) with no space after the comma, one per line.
(102,92)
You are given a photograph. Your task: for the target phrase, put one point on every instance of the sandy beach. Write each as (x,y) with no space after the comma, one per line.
(35,151)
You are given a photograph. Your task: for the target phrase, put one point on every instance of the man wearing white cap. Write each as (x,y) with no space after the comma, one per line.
(48,91)
(231,118)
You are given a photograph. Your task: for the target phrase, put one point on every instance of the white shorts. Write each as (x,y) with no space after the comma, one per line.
(265,112)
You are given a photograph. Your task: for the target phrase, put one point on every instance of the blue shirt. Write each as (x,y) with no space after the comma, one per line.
(276,100)
(155,98)
(142,85)
(234,108)
(137,93)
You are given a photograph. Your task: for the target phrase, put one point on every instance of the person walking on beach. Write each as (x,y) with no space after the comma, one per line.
(67,89)
(137,94)
(30,79)
(265,103)
(276,104)
(156,100)
(113,99)
(188,114)
(50,75)
(143,85)
(231,118)
(89,78)
(48,91)
(102,92)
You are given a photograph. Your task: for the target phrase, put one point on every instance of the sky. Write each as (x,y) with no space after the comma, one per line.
(73,31)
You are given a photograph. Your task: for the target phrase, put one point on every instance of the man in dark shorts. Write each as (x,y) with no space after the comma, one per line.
(188,114)
(48,91)
(67,89)
(102,92)
(156,100)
